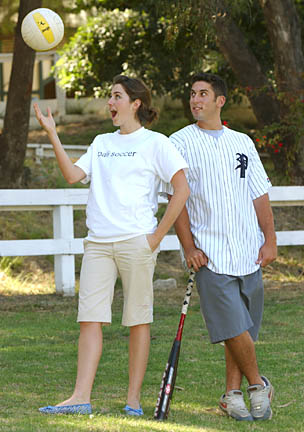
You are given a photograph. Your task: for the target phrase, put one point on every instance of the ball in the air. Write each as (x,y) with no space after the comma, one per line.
(42,29)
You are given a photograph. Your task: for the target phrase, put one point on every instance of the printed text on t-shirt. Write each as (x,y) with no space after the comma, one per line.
(115,154)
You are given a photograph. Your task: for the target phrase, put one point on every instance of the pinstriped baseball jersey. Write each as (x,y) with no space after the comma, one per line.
(225,176)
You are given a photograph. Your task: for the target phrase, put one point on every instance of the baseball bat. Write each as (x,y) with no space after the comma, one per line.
(169,376)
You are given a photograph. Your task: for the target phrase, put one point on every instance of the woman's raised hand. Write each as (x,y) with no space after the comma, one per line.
(47,122)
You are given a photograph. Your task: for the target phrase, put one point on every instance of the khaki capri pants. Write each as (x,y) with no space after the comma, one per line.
(134,261)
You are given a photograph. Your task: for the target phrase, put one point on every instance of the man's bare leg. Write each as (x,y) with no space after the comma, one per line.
(233,374)
(241,356)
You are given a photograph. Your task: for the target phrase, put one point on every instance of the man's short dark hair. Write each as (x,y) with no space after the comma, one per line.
(217,83)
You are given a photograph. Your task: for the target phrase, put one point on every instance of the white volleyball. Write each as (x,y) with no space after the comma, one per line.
(42,29)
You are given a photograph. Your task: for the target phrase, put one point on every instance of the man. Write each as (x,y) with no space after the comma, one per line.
(227,233)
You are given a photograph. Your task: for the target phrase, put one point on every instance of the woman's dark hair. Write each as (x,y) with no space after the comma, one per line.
(217,83)
(136,89)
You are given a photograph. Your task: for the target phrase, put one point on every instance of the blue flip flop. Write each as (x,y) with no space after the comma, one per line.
(67,409)
(133,412)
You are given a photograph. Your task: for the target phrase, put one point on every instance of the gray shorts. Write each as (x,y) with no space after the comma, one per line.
(230,304)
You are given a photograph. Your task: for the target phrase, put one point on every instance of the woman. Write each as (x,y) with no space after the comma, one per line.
(125,169)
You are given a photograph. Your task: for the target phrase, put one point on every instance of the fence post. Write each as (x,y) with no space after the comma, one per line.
(64,265)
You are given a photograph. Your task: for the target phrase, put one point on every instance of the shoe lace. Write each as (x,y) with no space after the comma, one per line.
(238,403)
(257,397)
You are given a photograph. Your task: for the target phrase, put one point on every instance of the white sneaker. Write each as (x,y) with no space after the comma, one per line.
(233,405)
(260,398)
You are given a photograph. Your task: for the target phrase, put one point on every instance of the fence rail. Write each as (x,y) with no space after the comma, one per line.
(63,245)
(40,151)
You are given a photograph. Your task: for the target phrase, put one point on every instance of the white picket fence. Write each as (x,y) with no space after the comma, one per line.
(63,245)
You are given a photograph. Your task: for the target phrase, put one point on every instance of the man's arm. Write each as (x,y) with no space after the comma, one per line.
(268,251)
(194,257)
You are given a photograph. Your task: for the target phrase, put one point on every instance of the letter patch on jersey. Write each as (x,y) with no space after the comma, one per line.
(243,160)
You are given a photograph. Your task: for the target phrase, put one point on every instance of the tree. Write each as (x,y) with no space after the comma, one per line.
(134,42)
(284,29)
(7,10)
(13,139)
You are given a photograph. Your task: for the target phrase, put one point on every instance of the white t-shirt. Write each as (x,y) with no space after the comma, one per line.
(225,175)
(125,171)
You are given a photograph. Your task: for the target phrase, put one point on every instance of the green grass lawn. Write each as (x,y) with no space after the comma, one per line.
(38,355)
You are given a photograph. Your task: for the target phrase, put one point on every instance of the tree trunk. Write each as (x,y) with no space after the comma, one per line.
(186,106)
(13,139)
(233,45)
(284,29)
